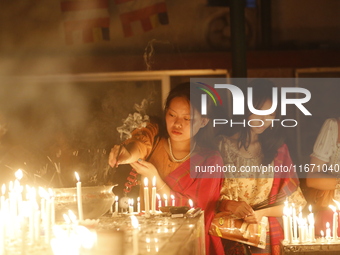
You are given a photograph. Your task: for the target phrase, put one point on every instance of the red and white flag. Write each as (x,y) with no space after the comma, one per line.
(85,21)
(146,14)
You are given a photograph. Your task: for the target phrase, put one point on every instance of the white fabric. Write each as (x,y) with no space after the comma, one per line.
(326,146)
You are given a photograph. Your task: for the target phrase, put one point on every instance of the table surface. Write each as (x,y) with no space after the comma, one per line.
(158,234)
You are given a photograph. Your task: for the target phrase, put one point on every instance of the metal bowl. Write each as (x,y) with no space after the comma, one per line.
(97,200)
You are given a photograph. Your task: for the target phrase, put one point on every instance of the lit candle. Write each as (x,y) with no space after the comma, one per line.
(335,222)
(311,222)
(146,196)
(300,212)
(294,222)
(37,219)
(116,205)
(42,203)
(285,222)
(338,206)
(18,174)
(52,206)
(134,223)
(300,230)
(165,199)
(48,221)
(131,205)
(173,200)
(153,195)
(138,204)
(328,231)
(159,201)
(191,204)
(30,194)
(290,225)
(322,236)
(72,216)
(79,198)
(68,223)
(304,230)
(12,211)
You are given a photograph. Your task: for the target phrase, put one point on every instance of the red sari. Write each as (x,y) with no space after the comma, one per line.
(202,189)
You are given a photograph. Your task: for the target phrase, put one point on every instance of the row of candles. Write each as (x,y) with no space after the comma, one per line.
(23,214)
(156,200)
(28,214)
(300,230)
(31,219)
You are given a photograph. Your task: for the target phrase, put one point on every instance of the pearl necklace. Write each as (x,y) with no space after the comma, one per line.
(179,160)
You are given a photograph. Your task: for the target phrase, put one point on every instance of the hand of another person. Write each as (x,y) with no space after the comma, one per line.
(145,168)
(119,155)
(239,208)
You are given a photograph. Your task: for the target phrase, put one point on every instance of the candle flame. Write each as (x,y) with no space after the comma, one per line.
(116,198)
(50,191)
(322,233)
(165,196)
(134,222)
(132,201)
(337,203)
(191,203)
(42,192)
(19,174)
(146,182)
(138,199)
(327,225)
(285,210)
(154,181)
(77,176)
(66,218)
(158,196)
(172,197)
(72,216)
(286,202)
(310,208)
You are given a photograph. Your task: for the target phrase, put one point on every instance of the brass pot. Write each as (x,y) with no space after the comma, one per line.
(96,200)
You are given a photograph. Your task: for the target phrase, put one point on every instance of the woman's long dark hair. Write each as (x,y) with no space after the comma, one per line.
(204,137)
(272,138)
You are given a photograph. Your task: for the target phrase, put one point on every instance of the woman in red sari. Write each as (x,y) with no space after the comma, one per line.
(255,147)
(172,156)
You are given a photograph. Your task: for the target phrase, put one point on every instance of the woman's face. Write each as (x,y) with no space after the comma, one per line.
(266,119)
(180,123)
